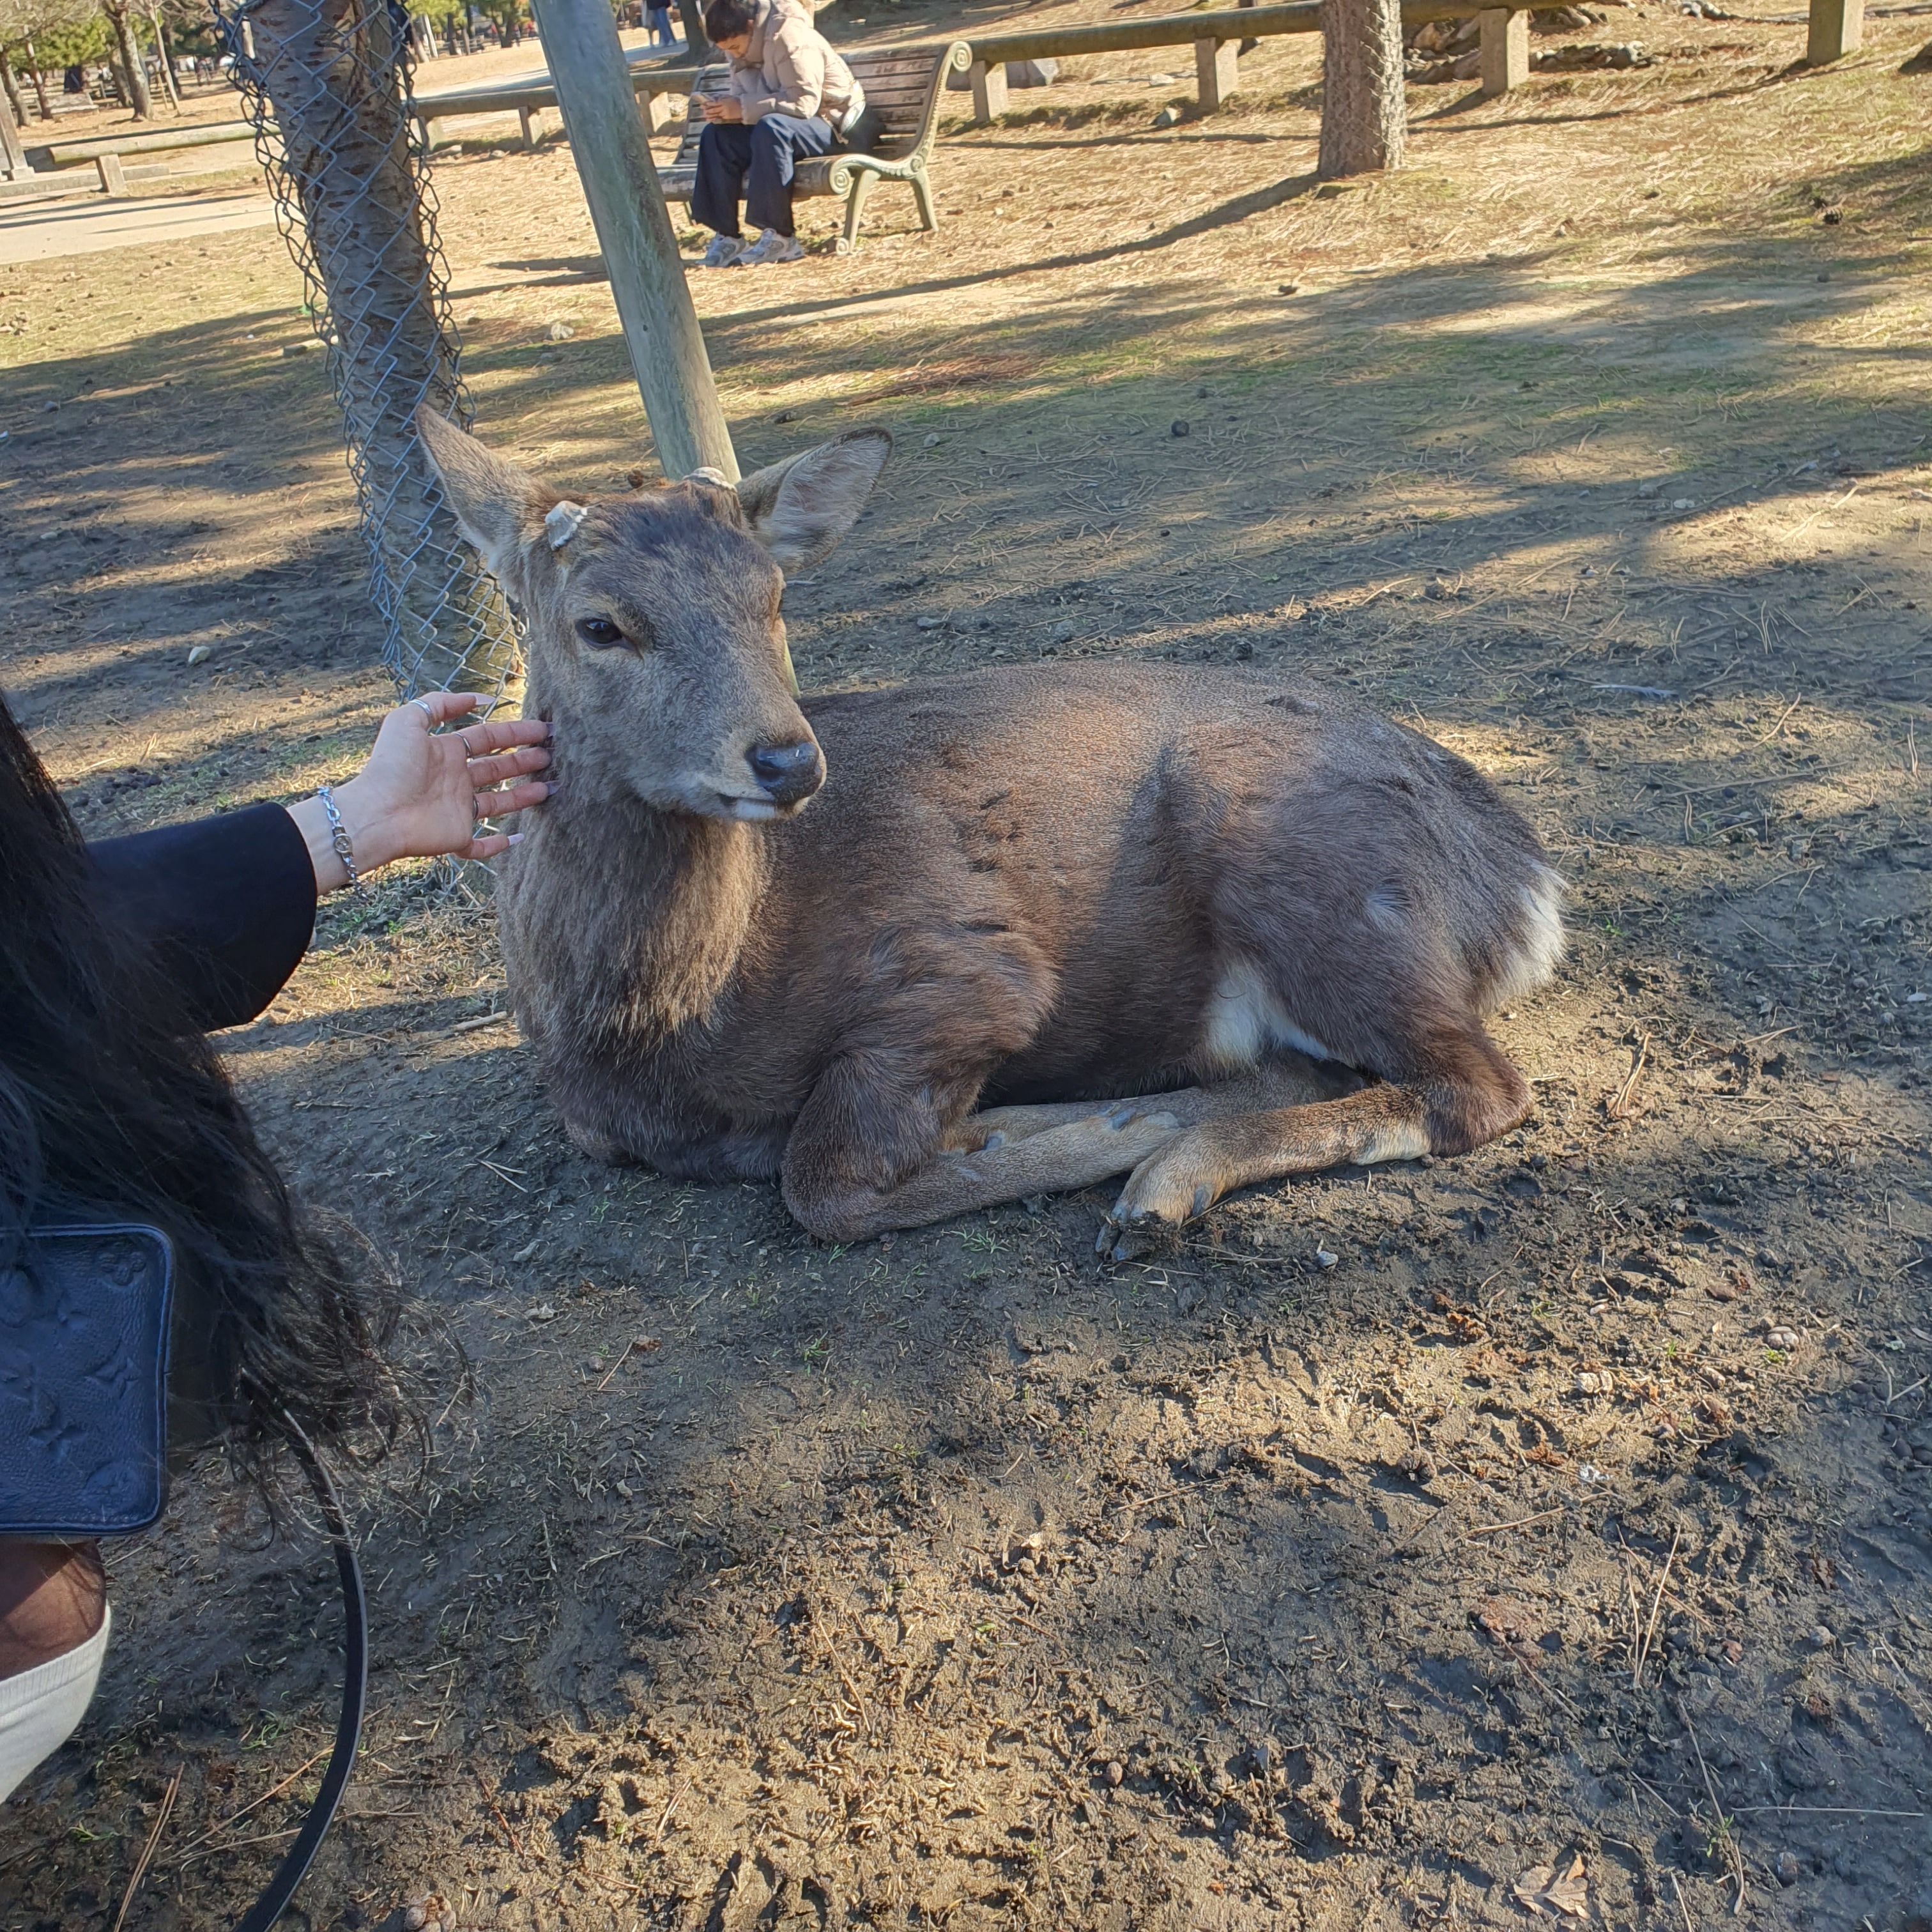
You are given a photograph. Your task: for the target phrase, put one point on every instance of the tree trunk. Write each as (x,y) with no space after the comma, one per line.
(1364,116)
(15,104)
(40,81)
(133,69)
(168,80)
(334,72)
(697,47)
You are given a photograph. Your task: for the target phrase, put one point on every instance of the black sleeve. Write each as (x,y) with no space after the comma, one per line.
(227,903)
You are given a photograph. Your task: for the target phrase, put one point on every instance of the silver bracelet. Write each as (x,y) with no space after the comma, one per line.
(338,837)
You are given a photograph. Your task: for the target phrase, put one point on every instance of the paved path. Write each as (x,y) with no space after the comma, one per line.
(41,231)
(524,78)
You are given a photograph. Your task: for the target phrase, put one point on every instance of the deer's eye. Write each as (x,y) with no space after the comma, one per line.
(599,633)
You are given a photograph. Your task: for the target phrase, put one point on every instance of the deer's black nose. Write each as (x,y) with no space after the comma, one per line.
(787,773)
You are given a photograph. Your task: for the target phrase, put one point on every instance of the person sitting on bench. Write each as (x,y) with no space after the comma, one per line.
(792,97)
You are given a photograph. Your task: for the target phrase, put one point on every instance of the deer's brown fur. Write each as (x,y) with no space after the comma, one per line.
(1212,926)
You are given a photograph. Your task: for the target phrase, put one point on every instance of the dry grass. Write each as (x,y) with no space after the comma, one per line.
(731,1626)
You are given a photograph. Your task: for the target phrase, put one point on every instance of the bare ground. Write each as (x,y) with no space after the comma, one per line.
(1393,1536)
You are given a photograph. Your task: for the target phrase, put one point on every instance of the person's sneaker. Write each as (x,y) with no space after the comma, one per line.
(771,247)
(724,249)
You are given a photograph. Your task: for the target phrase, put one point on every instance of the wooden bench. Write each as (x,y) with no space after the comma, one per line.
(125,144)
(903,86)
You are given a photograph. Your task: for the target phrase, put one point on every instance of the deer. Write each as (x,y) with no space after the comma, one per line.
(922,950)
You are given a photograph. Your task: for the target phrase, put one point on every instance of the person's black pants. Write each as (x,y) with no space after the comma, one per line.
(756,162)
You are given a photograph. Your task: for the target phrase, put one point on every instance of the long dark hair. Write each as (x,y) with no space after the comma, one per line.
(112,1105)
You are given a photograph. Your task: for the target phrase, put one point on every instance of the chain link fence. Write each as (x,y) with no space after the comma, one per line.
(327,84)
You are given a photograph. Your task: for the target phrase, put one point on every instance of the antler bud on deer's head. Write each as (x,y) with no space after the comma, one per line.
(562,523)
(657,645)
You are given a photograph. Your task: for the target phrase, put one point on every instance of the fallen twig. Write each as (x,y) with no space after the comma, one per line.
(1677,1891)
(146,1859)
(497,1812)
(664,1823)
(1825,1811)
(1493,1529)
(1837,503)
(1722,1829)
(236,1817)
(1656,1604)
(1619,1108)
(1656,1795)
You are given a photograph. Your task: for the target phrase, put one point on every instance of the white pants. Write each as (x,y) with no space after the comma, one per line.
(39,1708)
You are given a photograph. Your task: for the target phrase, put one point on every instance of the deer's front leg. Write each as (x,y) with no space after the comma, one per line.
(1286,1079)
(866,1158)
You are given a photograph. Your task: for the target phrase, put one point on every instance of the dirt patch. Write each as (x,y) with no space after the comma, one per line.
(1396,1539)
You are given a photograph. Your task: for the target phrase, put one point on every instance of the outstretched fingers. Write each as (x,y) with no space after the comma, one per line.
(479,740)
(513,798)
(485,772)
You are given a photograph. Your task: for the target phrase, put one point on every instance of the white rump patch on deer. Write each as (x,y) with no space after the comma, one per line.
(1539,939)
(1245,1019)
(562,523)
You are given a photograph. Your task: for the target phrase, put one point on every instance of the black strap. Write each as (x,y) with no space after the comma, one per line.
(294,1868)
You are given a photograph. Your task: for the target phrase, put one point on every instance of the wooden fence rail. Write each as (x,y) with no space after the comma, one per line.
(72,153)
(1215,37)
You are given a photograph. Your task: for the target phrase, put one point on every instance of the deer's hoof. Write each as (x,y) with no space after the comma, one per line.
(1125,1244)
(1169,1187)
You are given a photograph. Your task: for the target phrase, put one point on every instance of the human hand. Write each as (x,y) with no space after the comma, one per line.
(723,110)
(422,796)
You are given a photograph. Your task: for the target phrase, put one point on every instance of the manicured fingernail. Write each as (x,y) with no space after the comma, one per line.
(516,839)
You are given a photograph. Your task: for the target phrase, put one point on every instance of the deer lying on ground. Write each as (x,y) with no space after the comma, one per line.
(918,951)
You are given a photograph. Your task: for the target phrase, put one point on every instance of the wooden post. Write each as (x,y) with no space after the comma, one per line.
(108,166)
(613,153)
(1838,28)
(989,90)
(528,118)
(165,55)
(12,156)
(1217,65)
(15,115)
(1504,47)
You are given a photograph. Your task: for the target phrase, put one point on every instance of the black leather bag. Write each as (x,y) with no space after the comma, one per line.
(85,1315)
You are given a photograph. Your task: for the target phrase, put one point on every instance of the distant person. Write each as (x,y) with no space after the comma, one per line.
(659,19)
(792,98)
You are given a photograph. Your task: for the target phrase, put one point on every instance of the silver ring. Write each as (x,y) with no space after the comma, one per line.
(425,710)
(463,738)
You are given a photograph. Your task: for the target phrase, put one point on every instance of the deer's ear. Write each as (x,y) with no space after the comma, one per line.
(800,508)
(496,505)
